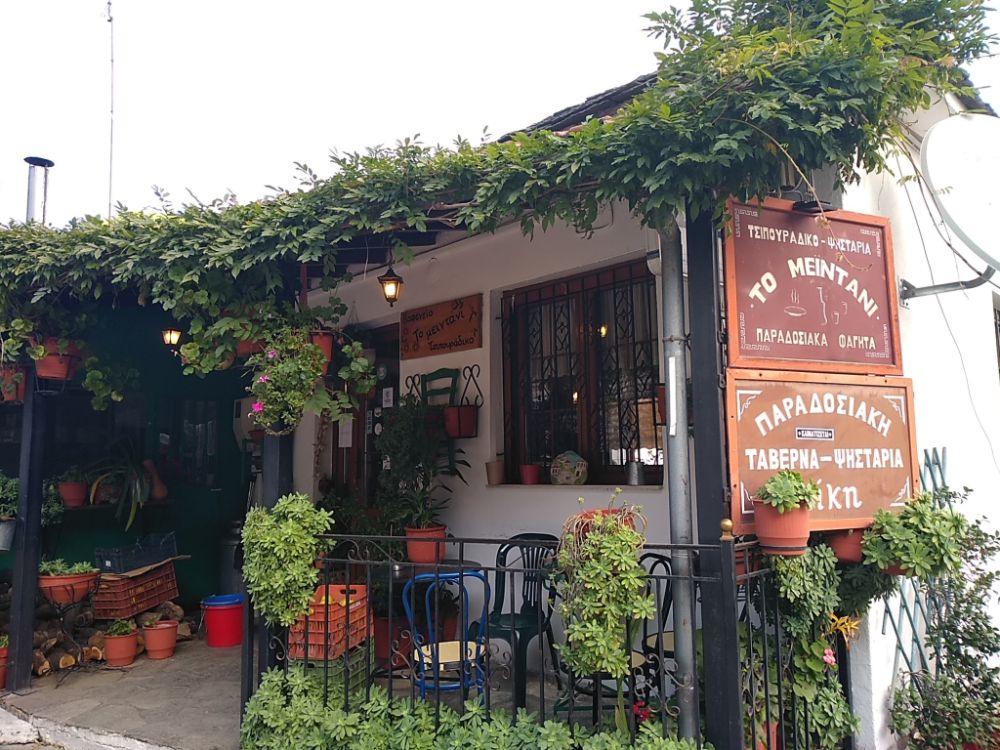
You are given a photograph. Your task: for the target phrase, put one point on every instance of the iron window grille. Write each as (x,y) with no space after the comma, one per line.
(581,369)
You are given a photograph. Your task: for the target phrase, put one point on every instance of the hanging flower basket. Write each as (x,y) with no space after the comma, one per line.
(246,349)
(783,534)
(59,362)
(461,421)
(324,340)
(13,383)
(846,545)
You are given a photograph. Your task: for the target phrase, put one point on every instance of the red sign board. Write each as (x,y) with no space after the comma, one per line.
(811,292)
(852,434)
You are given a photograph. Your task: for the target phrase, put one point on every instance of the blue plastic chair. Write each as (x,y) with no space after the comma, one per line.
(447,665)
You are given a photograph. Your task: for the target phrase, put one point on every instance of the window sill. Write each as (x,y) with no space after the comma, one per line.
(581,488)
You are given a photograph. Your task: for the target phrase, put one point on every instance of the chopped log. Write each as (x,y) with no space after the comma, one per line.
(59,659)
(171,611)
(97,639)
(45,632)
(148,618)
(184,631)
(46,611)
(72,648)
(49,645)
(39,664)
(92,653)
(85,618)
(141,645)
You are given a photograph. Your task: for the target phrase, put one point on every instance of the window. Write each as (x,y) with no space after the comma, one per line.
(581,369)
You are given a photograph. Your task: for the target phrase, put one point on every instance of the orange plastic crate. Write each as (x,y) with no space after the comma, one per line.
(121,597)
(333,625)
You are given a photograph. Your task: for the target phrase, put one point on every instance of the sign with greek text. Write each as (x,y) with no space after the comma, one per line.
(811,292)
(852,434)
(442,328)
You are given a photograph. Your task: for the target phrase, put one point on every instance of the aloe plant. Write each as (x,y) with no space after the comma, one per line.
(125,471)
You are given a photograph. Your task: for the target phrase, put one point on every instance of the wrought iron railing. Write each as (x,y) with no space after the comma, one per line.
(380,620)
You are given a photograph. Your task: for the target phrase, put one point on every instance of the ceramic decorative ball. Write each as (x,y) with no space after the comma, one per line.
(569,468)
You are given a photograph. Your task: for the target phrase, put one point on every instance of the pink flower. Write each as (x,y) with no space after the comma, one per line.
(258,407)
(264,379)
(828,657)
(272,353)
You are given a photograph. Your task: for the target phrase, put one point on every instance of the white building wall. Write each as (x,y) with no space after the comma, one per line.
(949,350)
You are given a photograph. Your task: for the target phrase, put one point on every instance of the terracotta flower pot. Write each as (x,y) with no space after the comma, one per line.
(747,561)
(13,383)
(427,553)
(68,589)
(119,650)
(55,365)
(461,421)
(157,490)
(846,545)
(585,519)
(161,639)
(530,473)
(245,349)
(3,667)
(324,340)
(784,534)
(256,435)
(661,403)
(894,570)
(495,472)
(73,494)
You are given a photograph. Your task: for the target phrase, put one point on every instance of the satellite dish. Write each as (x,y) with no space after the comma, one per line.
(960,158)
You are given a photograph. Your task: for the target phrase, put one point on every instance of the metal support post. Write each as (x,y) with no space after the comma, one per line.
(723,704)
(28,538)
(678,482)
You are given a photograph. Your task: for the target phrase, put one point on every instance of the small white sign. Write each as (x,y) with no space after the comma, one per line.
(387,394)
(345,433)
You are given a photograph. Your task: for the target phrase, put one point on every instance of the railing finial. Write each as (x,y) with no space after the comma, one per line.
(727,529)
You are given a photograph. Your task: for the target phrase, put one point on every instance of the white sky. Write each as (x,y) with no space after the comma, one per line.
(217,95)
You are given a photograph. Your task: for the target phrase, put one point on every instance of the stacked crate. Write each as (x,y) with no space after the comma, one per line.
(338,623)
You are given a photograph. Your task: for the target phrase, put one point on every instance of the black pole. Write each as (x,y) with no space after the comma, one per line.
(723,705)
(28,539)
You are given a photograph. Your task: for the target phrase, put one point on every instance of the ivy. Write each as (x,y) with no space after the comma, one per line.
(742,85)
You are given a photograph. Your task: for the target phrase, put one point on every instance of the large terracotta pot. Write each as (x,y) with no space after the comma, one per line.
(161,639)
(324,340)
(426,552)
(119,650)
(13,383)
(68,589)
(846,545)
(55,365)
(530,473)
(784,534)
(73,494)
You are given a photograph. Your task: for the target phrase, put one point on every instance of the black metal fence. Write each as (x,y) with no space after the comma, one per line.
(484,622)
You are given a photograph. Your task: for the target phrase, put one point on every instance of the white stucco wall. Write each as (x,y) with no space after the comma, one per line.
(949,350)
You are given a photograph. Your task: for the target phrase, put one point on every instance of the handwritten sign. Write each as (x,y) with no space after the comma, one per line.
(442,328)
(810,292)
(852,434)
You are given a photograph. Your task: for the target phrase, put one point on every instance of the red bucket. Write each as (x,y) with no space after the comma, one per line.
(223,620)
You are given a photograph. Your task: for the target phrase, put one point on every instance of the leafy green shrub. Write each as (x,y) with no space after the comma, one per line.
(121,627)
(9,489)
(287,712)
(808,585)
(787,490)
(60,567)
(924,539)
(280,547)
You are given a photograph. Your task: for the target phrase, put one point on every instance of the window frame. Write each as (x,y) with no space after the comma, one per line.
(577,288)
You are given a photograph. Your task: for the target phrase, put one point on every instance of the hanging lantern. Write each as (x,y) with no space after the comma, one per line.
(171,337)
(391,283)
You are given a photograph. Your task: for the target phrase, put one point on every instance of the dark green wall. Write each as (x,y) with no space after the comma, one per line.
(202,501)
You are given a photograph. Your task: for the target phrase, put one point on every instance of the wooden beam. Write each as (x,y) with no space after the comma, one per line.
(28,539)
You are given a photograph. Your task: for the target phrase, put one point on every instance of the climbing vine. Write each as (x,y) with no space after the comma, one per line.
(742,86)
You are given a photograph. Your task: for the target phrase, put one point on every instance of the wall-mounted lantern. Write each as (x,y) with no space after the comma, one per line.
(392,284)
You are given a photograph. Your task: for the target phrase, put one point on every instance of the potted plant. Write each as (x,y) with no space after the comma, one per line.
(72,485)
(9,495)
(161,638)
(280,546)
(121,642)
(496,471)
(846,544)
(530,473)
(56,358)
(922,540)
(461,420)
(781,513)
(603,591)
(410,487)
(4,651)
(13,372)
(127,477)
(66,583)
(956,706)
